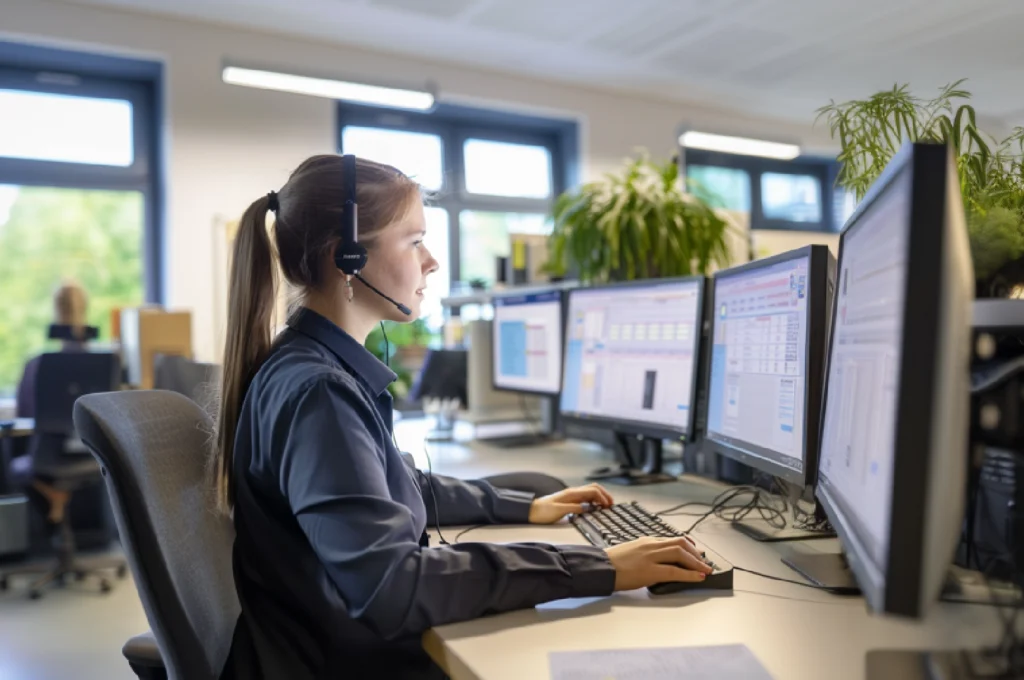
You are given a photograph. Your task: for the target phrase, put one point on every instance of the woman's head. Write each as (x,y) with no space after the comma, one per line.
(307,230)
(69,307)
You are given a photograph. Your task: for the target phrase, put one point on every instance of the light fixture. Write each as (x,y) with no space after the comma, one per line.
(419,100)
(738,145)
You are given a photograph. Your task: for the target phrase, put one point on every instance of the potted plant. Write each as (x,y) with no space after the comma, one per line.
(635,224)
(404,350)
(991,171)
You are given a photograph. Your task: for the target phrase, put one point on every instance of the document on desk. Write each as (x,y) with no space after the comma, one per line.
(722,662)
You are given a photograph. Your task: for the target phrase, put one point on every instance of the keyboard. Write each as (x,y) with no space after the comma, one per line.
(624,522)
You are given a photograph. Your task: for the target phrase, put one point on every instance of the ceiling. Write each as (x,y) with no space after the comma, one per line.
(777,58)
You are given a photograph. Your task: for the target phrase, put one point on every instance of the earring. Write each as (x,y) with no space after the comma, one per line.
(348,284)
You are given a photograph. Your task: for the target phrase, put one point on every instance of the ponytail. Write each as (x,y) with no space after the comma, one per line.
(251,300)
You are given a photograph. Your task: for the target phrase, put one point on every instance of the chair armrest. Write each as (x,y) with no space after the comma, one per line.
(143,651)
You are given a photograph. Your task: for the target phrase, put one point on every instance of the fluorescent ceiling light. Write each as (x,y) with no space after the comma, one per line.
(332,89)
(739,145)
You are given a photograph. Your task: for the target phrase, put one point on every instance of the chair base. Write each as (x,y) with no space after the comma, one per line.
(58,575)
(68,565)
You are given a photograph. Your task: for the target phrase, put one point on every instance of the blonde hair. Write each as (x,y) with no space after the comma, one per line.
(306,228)
(69,306)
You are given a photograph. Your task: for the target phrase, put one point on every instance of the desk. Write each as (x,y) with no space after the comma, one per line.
(23,427)
(797,633)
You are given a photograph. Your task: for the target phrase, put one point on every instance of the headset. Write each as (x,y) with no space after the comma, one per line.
(350,256)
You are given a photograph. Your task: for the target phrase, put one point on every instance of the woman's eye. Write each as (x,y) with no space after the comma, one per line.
(417,244)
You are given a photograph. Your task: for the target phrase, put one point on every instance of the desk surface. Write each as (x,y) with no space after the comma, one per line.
(797,633)
(23,427)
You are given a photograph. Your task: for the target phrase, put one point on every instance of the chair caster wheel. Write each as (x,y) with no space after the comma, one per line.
(122,571)
(34,595)
(105,586)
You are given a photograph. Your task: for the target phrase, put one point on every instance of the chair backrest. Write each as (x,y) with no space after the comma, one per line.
(62,378)
(195,380)
(152,446)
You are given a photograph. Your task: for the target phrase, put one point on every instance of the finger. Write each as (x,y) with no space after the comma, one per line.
(677,555)
(606,498)
(691,547)
(569,508)
(667,572)
(580,494)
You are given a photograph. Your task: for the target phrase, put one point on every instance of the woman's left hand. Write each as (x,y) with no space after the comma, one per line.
(550,509)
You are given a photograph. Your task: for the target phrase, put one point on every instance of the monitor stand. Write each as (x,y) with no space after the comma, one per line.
(828,570)
(760,530)
(546,435)
(627,473)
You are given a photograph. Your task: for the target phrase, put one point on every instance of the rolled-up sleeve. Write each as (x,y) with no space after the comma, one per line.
(333,473)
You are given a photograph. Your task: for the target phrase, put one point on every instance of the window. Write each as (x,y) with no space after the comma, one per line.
(799,194)
(79,196)
(492,176)
(796,198)
(728,188)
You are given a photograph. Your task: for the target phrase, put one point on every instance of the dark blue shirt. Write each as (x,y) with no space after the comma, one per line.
(331,566)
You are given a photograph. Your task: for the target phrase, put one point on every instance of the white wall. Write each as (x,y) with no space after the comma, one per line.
(228,145)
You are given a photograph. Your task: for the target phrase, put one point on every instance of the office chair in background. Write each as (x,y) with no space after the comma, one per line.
(197,381)
(53,471)
(152,446)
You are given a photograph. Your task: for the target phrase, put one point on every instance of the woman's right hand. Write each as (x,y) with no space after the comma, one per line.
(649,560)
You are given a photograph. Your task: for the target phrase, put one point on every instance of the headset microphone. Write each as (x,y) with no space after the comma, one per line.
(402,308)
(350,257)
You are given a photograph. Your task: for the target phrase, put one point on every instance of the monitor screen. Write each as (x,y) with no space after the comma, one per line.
(759,350)
(858,435)
(631,353)
(528,342)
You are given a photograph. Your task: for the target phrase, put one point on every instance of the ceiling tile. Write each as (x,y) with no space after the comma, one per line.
(439,9)
(548,19)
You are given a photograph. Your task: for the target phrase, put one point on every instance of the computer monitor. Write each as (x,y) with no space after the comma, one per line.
(527,342)
(894,440)
(768,327)
(630,361)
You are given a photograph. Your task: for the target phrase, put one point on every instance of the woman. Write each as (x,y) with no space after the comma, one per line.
(333,569)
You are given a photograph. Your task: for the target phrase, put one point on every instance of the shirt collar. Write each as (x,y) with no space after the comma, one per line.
(359,360)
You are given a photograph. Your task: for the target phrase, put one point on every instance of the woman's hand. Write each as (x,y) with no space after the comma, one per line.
(648,560)
(550,509)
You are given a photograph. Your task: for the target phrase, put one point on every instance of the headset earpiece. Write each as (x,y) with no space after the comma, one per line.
(350,257)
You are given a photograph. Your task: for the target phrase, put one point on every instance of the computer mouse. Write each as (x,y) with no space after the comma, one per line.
(716,580)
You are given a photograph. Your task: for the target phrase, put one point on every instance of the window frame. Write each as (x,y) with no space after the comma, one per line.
(98,76)
(455,124)
(825,170)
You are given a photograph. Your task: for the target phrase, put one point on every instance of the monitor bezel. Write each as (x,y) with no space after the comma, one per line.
(894,586)
(817,257)
(634,427)
(563,310)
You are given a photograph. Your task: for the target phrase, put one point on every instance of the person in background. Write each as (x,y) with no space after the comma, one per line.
(333,567)
(69,309)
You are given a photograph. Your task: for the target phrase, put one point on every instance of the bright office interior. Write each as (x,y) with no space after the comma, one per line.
(134,133)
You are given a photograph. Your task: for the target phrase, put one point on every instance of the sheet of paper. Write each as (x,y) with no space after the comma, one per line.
(723,662)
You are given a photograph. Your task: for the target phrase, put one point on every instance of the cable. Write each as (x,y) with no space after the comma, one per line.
(466,531)
(433,495)
(815,586)
(430,467)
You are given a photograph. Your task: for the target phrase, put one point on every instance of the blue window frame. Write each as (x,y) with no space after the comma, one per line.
(478,221)
(799,194)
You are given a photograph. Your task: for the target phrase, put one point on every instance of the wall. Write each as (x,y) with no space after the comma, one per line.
(228,145)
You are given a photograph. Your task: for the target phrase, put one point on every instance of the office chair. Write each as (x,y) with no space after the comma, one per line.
(51,473)
(195,380)
(152,446)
